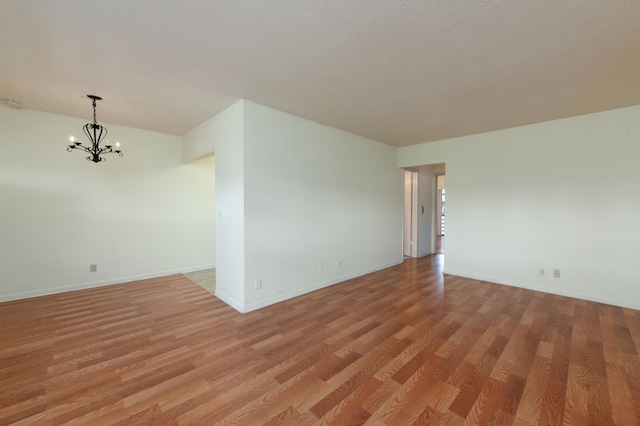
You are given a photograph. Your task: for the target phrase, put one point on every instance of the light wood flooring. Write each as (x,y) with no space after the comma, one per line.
(205,278)
(403,346)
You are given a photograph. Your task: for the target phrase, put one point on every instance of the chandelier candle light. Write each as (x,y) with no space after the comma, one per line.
(95,132)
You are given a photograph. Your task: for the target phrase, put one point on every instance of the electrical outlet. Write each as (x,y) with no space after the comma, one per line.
(339,264)
(541,272)
(319,267)
(258,284)
(93,268)
(556,273)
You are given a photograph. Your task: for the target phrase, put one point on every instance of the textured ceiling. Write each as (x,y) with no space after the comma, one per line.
(398,71)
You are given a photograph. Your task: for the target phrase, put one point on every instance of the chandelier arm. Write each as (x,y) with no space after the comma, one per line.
(103,133)
(88,134)
(78,146)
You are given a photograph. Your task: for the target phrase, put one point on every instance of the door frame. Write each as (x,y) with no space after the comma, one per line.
(410,214)
(437,217)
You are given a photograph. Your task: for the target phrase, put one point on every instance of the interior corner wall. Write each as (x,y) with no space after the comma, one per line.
(315,195)
(223,135)
(143,215)
(563,194)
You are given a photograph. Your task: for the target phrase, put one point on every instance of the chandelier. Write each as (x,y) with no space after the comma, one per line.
(96,133)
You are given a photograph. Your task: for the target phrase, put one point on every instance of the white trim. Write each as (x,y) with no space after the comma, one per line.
(550,290)
(308,289)
(230,301)
(101,283)
(197,268)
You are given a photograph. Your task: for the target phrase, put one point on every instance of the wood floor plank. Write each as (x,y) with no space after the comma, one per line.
(555,393)
(405,345)
(484,406)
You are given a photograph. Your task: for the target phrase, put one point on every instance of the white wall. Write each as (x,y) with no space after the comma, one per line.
(291,194)
(563,194)
(426,210)
(224,135)
(315,194)
(145,214)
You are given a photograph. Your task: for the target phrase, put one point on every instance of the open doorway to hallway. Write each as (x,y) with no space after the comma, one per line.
(423,230)
(204,273)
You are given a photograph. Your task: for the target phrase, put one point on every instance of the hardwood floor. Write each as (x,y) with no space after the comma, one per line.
(400,346)
(440,244)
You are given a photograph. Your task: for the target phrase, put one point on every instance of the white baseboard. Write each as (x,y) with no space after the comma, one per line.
(308,289)
(429,253)
(101,283)
(230,301)
(550,290)
(197,268)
